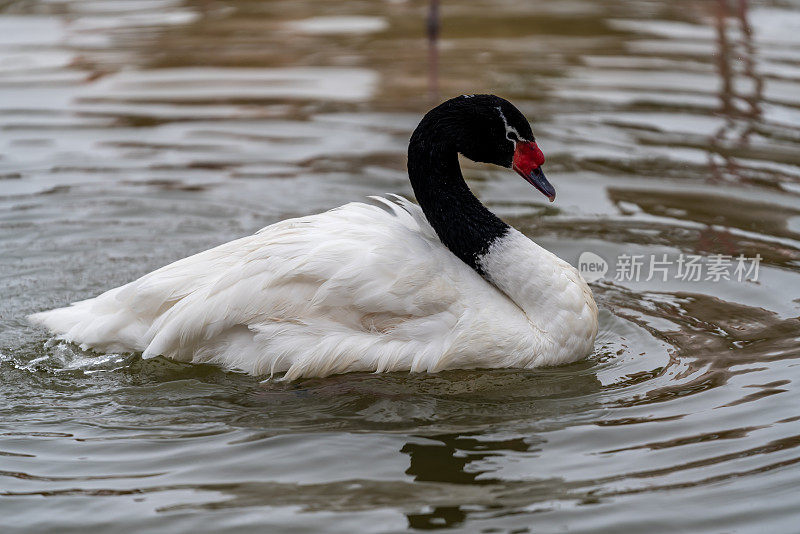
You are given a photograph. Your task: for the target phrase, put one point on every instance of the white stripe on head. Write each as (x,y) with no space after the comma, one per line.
(509,129)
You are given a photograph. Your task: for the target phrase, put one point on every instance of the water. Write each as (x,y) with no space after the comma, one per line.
(134,133)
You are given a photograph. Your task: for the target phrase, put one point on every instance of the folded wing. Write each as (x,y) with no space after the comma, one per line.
(361,287)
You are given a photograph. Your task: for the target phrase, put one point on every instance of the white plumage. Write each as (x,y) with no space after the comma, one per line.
(357,288)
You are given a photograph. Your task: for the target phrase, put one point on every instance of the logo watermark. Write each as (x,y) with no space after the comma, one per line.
(591,266)
(663,267)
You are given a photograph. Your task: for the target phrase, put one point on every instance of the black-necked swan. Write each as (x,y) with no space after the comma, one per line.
(388,287)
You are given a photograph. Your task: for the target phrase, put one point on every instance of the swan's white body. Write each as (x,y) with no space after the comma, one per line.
(357,288)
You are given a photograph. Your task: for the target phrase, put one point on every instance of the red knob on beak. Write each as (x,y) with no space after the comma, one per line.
(528,161)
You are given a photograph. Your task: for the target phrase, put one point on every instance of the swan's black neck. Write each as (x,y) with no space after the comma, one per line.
(463,224)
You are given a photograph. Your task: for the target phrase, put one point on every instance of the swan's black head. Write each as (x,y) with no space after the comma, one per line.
(487,129)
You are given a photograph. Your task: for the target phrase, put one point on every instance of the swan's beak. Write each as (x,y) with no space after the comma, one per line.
(538,180)
(528,160)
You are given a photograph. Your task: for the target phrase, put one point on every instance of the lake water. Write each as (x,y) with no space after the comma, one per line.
(136,132)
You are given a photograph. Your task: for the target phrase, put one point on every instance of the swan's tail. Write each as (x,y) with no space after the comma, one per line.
(119,320)
(100,324)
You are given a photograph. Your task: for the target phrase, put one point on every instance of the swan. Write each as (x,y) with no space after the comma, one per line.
(388,286)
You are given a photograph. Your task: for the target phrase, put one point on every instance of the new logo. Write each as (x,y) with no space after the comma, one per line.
(591,266)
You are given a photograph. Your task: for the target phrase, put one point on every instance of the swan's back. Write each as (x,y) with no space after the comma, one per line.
(360,287)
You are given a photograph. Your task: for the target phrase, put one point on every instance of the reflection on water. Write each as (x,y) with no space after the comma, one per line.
(136,133)
(433,24)
(728,53)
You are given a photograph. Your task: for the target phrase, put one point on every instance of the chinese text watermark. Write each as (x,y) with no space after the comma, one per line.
(663,267)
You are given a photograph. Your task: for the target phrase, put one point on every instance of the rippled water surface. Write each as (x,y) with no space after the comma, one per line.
(136,132)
